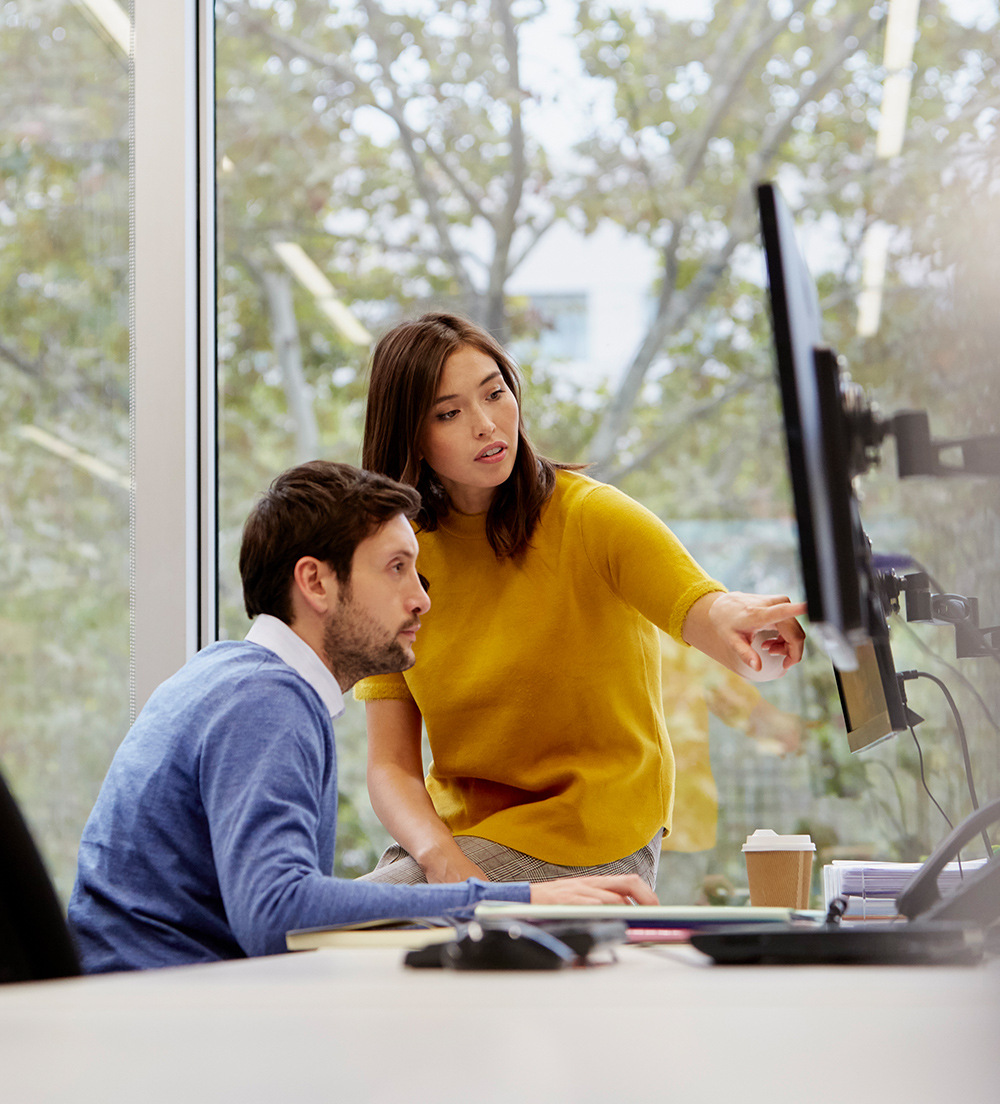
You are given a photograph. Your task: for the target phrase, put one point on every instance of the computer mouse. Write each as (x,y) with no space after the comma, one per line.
(513,945)
(771,665)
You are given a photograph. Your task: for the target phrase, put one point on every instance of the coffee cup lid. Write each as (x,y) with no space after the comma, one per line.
(764,839)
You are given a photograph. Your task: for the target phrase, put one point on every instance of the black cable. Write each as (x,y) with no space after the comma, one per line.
(954,671)
(923,778)
(962,741)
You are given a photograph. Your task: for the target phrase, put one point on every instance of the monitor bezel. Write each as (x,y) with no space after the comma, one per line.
(831,542)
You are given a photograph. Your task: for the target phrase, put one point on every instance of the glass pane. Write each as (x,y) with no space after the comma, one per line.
(64,428)
(578,178)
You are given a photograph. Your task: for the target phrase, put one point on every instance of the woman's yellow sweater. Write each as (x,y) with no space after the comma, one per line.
(539,680)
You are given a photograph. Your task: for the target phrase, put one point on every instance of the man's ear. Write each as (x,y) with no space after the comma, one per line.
(314,584)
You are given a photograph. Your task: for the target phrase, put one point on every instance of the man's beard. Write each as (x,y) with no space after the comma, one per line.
(357,646)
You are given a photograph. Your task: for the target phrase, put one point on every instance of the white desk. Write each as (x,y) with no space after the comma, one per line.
(663,1025)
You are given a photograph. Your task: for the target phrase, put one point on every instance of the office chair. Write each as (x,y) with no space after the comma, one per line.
(35,940)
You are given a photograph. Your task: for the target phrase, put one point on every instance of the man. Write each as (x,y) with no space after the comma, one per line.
(214,831)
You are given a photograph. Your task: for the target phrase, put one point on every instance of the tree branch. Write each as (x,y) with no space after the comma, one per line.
(506,223)
(432,197)
(672,307)
(728,92)
(34,369)
(773,137)
(286,345)
(668,435)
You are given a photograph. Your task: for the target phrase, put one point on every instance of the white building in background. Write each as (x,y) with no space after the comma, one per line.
(592,295)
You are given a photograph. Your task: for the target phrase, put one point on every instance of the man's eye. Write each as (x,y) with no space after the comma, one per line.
(423,582)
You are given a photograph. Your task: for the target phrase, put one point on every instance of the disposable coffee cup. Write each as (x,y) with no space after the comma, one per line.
(779,869)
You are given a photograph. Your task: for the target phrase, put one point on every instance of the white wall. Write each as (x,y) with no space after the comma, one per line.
(616,275)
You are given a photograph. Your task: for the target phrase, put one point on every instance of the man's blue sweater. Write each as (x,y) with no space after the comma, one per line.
(214,831)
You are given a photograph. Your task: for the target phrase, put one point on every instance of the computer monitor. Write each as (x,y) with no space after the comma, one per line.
(836,567)
(827,433)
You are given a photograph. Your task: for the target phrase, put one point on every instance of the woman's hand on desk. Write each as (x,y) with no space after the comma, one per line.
(594,889)
(449,864)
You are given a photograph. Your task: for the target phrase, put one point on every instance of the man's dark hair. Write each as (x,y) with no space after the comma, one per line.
(317,509)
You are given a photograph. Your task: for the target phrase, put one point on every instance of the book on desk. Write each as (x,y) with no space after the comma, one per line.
(405,933)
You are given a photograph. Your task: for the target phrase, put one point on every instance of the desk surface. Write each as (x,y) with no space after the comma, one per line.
(661,1024)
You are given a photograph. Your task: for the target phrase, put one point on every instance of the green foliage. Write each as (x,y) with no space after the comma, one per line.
(702,109)
(63,371)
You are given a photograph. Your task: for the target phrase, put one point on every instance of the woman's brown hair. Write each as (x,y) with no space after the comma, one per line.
(405,372)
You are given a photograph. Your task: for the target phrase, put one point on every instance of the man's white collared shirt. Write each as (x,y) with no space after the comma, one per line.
(272,633)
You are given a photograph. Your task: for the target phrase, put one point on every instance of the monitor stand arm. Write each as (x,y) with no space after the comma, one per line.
(918,454)
(923,606)
(865,429)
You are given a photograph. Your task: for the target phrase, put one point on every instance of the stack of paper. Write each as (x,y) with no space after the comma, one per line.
(871,888)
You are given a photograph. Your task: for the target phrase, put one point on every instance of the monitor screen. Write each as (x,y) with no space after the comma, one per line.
(870,698)
(833,549)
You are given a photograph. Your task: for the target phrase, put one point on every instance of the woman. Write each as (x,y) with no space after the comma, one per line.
(537,672)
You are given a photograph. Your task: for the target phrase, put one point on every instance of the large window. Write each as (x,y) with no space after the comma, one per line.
(64,393)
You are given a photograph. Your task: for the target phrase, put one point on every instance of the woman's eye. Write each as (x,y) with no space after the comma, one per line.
(446,416)
(494,395)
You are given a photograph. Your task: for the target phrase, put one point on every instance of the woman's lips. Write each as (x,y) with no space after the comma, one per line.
(492,454)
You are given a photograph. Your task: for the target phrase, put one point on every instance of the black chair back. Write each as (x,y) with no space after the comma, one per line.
(35,940)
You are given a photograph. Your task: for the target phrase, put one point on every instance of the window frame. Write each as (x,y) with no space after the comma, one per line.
(174,582)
